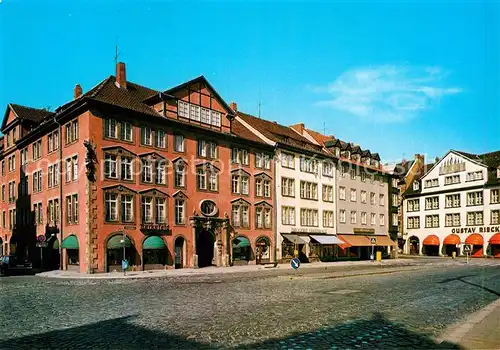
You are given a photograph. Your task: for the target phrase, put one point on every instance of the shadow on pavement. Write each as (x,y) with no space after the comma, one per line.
(118,333)
(376,332)
(461,279)
(115,333)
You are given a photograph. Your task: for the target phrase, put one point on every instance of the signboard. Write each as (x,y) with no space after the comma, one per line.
(363,230)
(307,230)
(373,240)
(41,238)
(129,227)
(295,263)
(477,229)
(467,248)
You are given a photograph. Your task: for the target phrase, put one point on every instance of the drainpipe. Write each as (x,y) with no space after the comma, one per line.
(61,219)
(275,203)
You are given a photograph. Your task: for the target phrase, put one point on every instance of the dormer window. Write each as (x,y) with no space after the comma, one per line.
(498,172)
(337,151)
(416,186)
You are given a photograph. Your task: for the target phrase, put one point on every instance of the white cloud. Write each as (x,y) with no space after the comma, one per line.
(387,93)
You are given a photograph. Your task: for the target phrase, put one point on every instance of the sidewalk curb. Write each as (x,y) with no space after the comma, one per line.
(457,332)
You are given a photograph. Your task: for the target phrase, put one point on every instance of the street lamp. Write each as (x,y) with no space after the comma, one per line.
(124,262)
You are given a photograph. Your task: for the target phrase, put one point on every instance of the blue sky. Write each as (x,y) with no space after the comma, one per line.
(396,77)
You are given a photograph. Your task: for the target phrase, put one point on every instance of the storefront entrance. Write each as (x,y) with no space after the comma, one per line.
(205,248)
(414,245)
(477,242)
(179,252)
(115,252)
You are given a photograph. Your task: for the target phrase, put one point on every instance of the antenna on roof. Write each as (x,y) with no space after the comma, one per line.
(324,128)
(259,100)
(116,54)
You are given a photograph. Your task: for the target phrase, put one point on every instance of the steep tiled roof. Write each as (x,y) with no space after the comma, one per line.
(29,113)
(320,137)
(280,133)
(240,130)
(491,159)
(402,168)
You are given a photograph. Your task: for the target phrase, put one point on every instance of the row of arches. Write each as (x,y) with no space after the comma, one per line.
(431,245)
(156,255)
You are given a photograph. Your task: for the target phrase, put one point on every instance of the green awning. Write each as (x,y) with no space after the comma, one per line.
(115,242)
(241,242)
(153,242)
(70,242)
(55,245)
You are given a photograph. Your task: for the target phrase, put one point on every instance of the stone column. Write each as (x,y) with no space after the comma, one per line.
(194,260)
(91,248)
(226,239)
(420,248)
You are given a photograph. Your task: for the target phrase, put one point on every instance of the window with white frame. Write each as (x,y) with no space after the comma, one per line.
(146,136)
(183,109)
(239,156)
(207,149)
(475,198)
(207,178)
(416,185)
(179,174)
(287,215)
(495,196)
(353,195)
(110,128)
(52,143)
(71,129)
(287,160)
(240,183)
(160,172)
(195,112)
(240,214)
(147,209)
(308,165)
(126,131)
(342,216)
(363,196)
(413,205)
(38,211)
(372,198)
(432,203)
(353,216)
(180,211)
(111,206)
(363,218)
(36,150)
(147,170)
(126,168)
(127,203)
(353,174)
(343,170)
(161,210)
(327,218)
(110,166)
(432,220)
(327,168)
(308,217)
(413,222)
(452,179)
(327,193)
(394,219)
(373,219)
(452,219)
(308,190)
(215,118)
(160,139)
(452,200)
(287,187)
(37,181)
(475,175)
(495,217)
(72,169)
(205,116)
(53,211)
(179,143)
(475,218)
(53,175)
(431,183)
(342,193)
(72,209)
(381,199)
(363,176)
(262,217)
(262,160)
(382,219)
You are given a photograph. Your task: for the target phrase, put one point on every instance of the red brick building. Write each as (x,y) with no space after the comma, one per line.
(167,178)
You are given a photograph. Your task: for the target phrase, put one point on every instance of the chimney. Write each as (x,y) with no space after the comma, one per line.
(77,92)
(233,106)
(299,128)
(436,159)
(121,78)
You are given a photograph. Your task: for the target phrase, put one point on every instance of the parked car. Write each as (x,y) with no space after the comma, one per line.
(9,265)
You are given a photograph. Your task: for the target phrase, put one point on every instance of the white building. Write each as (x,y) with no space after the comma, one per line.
(305,191)
(456,202)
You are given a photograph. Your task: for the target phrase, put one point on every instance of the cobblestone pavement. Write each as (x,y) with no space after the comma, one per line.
(317,309)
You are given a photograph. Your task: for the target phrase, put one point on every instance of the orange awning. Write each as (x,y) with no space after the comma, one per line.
(495,239)
(383,241)
(475,239)
(431,240)
(452,239)
(354,241)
